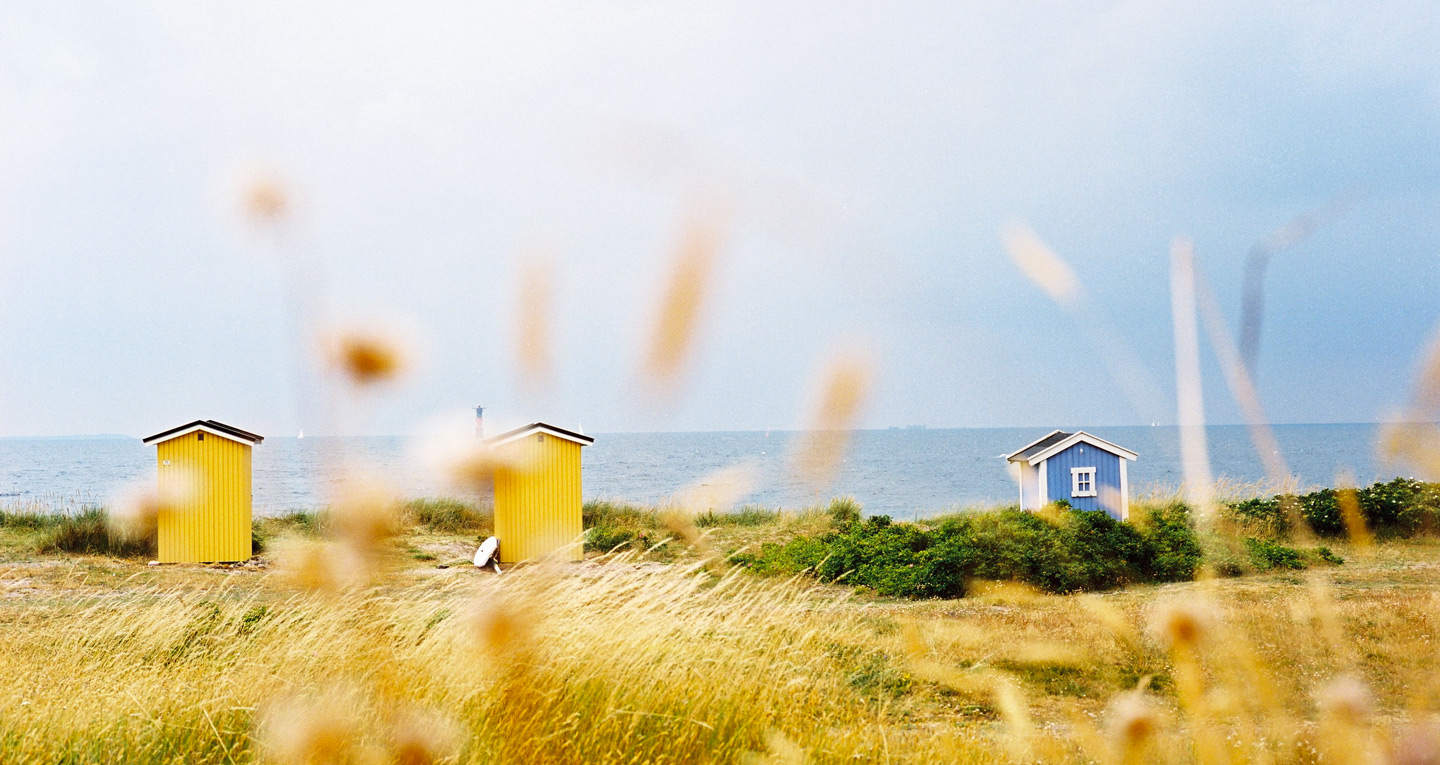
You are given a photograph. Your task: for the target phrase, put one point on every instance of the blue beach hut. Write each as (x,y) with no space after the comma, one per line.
(1086,471)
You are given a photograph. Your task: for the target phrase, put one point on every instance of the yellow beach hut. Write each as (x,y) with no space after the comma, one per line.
(538,500)
(205,467)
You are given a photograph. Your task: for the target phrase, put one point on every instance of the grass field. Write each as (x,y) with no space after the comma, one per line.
(620,659)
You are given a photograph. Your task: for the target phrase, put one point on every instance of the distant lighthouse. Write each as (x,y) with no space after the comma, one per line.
(479,422)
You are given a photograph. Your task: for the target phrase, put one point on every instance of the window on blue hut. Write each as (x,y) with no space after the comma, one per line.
(1082,482)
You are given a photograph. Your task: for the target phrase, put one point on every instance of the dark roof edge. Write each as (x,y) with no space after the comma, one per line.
(537,426)
(243,435)
(1049,450)
(1020,454)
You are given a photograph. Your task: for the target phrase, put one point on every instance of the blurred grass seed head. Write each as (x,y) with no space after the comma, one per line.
(1133,721)
(1181,623)
(672,339)
(367,357)
(135,508)
(844,387)
(533,356)
(308,732)
(1040,264)
(419,737)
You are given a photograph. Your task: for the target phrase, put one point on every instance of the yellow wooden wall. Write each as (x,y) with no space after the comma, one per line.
(537,505)
(213,522)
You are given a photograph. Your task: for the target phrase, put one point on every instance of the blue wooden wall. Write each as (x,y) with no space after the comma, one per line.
(1107,473)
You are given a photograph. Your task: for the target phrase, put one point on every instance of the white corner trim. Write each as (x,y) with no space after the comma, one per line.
(1044,484)
(1124,492)
(1076,473)
(1020,475)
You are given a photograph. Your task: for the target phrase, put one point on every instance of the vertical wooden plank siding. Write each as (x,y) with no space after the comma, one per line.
(213,523)
(1107,476)
(538,506)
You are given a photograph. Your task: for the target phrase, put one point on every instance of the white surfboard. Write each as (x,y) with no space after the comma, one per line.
(486,552)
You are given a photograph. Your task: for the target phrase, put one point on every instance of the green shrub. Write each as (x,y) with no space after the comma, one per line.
(89,533)
(883,556)
(1401,507)
(1261,516)
(1321,509)
(611,526)
(447,515)
(1076,550)
(1398,508)
(609,537)
(1266,555)
(1175,553)
(792,557)
(250,621)
(1227,556)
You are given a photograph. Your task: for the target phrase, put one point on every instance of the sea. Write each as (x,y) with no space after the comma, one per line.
(900,472)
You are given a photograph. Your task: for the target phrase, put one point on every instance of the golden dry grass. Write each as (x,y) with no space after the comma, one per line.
(619,660)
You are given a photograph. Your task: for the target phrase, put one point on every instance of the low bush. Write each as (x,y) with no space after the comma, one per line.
(1176,549)
(610,538)
(612,526)
(1401,507)
(89,532)
(1065,551)
(1398,508)
(1266,555)
(799,554)
(1261,515)
(1226,555)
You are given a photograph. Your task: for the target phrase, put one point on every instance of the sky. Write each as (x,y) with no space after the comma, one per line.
(866,157)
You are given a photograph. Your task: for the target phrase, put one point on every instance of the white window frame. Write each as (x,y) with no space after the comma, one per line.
(1088,476)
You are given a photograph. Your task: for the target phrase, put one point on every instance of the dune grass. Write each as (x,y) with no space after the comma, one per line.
(90,532)
(449,515)
(613,526)
(618,659)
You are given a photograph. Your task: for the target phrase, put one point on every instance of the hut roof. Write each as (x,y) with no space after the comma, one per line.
(1058,441)
(540,427)
(208,426)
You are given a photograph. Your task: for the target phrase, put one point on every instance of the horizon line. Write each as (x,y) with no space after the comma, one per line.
(123,436)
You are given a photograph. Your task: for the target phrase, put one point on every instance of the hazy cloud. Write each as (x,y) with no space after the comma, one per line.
(872,154)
